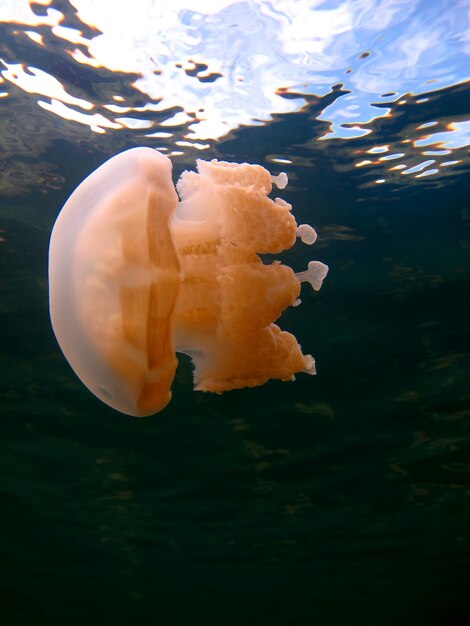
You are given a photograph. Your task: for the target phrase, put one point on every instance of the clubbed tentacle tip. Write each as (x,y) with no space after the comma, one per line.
(280,181)
(309,365)
(307,234)
(314,274)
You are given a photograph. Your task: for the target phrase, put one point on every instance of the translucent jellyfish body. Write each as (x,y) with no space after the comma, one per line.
(136,275)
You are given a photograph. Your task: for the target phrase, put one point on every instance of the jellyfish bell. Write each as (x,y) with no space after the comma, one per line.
(136,275)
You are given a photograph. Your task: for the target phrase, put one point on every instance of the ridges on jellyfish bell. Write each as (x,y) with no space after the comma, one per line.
(135,276)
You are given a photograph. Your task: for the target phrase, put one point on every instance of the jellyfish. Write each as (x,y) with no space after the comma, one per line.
(136,275)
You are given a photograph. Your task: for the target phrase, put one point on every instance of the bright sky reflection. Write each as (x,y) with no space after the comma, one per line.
(379,50)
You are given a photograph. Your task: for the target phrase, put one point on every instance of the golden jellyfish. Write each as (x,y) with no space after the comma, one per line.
(136,275)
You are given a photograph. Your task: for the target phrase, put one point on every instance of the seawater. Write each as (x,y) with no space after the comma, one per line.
(338,499)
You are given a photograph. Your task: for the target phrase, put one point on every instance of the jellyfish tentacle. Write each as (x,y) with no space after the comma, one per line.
(314,274)
(309,365)
(280,180)
(307,234)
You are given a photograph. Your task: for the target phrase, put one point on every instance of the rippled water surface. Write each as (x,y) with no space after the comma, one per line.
(338,499)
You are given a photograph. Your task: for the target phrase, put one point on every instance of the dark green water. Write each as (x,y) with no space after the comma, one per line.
(335,500)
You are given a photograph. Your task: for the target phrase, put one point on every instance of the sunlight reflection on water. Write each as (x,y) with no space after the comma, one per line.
(195,71)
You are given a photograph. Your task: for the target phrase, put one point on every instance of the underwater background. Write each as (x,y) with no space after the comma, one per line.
(333,500)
